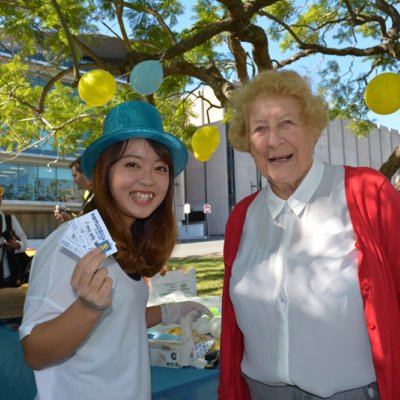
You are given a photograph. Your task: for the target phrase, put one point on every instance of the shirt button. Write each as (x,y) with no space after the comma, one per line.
(371,326)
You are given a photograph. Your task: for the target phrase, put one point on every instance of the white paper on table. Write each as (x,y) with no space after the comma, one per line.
(87,232)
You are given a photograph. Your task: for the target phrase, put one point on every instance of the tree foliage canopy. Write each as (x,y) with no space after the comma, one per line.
(222,44)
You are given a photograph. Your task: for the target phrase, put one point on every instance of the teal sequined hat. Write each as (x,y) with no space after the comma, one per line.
(134,120)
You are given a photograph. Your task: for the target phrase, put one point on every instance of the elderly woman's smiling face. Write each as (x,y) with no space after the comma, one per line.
(280,143)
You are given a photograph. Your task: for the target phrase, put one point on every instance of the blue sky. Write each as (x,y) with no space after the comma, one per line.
(390,120)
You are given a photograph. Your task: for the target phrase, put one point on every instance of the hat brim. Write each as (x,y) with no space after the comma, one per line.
(174,146)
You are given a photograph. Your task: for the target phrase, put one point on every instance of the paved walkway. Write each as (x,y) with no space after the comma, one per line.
(212,248)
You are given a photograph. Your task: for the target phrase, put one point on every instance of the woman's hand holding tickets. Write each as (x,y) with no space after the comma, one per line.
(92,283)
(172,313)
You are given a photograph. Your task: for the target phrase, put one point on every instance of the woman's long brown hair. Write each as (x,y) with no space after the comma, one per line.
(146,247)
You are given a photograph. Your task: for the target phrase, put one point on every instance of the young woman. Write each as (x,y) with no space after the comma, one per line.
(85,320)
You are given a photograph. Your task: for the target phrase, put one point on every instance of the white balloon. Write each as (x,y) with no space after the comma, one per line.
(202,326)
(215,327)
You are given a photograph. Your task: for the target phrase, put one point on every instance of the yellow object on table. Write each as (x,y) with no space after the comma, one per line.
(24,288)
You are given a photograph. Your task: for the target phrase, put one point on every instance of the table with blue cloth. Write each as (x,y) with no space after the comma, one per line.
(17,381)
(184,384)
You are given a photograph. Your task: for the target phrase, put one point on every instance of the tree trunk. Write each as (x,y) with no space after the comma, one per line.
(392,165)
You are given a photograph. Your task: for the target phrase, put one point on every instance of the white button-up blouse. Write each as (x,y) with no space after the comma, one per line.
(295,290)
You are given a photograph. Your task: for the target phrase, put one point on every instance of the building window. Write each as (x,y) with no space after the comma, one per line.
(45,184)
(38,183)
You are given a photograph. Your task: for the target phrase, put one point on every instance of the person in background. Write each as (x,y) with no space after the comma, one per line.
(84,329)
(16,243)
(311,297)
(83,183)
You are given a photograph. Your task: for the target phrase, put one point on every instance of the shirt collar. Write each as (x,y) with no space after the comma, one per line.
(299,199)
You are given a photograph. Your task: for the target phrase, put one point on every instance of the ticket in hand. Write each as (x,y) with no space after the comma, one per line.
(87,232)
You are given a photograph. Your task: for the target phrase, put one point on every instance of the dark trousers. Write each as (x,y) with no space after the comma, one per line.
(6,282)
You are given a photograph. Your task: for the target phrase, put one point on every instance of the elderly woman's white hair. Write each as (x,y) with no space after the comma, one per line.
(275,83)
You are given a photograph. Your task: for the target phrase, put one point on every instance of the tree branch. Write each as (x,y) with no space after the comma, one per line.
(209,75)
(316,48)
(240,57)
(70,41)
(119,9)
(392,165)
(52,81)
(157,16)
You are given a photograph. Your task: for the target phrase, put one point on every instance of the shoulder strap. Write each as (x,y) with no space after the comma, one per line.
(8,222)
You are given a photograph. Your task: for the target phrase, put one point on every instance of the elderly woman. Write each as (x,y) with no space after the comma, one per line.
(312,261)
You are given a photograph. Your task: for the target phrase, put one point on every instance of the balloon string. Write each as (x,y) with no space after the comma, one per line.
(121,76)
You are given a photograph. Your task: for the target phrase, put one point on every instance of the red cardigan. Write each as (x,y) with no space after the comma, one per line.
(374,207)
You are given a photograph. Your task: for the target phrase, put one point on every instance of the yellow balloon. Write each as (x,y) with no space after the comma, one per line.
(202,156)
(382,94)
(96,87)
(205,139)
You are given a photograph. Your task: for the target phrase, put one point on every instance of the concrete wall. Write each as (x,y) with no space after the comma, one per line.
(338,146)
(206,182)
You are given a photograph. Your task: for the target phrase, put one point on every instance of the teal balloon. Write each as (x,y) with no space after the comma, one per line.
(147,77)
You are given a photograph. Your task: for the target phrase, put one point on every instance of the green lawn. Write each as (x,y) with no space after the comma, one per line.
(209,273)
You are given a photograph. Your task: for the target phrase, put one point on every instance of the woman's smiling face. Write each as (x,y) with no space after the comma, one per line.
(280,143)
(139,180)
